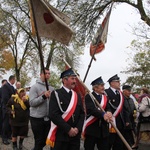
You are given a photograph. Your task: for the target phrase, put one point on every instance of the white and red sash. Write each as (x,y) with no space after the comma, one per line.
(66,116)
(92,119)
(118,110)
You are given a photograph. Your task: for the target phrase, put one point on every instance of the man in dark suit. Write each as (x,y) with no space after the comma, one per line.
(3,82)
(7,91)
(120,116)
(130,106)
(67,114)
(96,128)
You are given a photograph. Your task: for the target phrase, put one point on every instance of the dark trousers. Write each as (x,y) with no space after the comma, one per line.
(1,118)
(40,130)
(72,144)
(128,135)
(101,143)
(6,128)
(115,142)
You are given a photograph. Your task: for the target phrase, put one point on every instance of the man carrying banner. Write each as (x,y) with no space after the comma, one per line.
(39,98)
(66,114)
(96,129)
(120,114)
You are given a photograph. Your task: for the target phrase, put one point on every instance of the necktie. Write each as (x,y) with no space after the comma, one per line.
(99,98)
(117,93)
(70,93)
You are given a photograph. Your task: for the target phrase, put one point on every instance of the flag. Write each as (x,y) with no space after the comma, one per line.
(98,43)
(79,88)
(51,23)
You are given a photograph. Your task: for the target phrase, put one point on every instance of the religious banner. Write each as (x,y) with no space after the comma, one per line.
(51,23)
(98,43)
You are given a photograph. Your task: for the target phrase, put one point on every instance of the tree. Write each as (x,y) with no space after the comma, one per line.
(21,47)
(142,31)
(24,45)
(4,39)
(139,69)
(84,16)
(6,61)
(55,80)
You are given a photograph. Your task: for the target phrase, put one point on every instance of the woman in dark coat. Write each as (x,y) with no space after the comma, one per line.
(18,109)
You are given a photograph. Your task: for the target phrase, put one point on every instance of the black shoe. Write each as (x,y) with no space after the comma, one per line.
(15,148)
(6,142)
(20,146)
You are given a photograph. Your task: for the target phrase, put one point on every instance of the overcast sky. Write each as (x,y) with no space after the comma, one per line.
(113,59)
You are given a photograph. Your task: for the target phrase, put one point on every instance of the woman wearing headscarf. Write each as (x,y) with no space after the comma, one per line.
(18,109)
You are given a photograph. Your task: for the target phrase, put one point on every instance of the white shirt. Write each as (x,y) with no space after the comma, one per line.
(68,90)
(114,90)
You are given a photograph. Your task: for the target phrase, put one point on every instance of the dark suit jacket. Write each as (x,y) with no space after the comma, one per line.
(7,91)
(99,128)
(130,107)
(0,97)
(0,109)
(56,115)
(122,118)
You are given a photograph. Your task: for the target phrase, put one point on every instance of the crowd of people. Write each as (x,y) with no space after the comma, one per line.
(60,118)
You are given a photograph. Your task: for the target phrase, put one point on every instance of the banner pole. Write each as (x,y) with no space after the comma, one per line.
(39,44)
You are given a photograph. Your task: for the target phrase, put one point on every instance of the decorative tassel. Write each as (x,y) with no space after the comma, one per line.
(49,142)
(112,130)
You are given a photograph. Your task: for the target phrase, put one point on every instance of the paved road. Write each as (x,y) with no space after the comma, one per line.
(28,144)
(144,147)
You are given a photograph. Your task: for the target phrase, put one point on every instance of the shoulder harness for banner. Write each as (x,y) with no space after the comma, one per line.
(58,101)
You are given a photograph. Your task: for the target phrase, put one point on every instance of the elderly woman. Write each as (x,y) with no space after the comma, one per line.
(144,110)
(18,109)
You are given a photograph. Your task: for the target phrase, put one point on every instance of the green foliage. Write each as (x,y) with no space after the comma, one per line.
(22,45)
(139,69)
(55,80)
(4,38)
